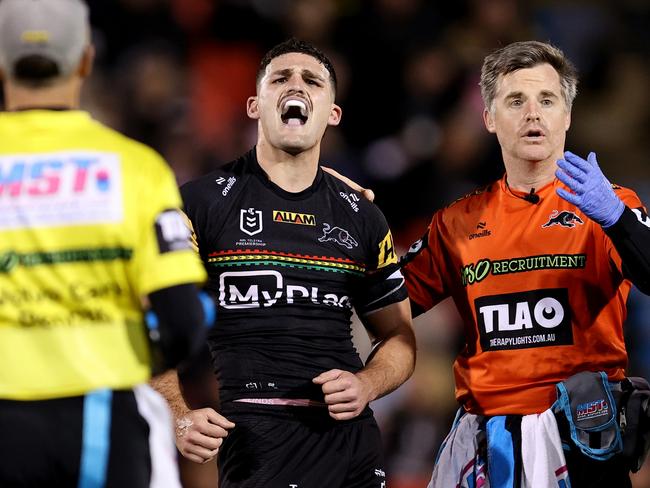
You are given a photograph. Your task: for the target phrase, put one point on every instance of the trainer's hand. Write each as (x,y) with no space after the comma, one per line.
(346,394)
(200,433)
(591,192)
(367,193)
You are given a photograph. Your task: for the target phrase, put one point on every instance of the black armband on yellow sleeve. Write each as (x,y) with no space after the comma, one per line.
(180,322)
(631,238)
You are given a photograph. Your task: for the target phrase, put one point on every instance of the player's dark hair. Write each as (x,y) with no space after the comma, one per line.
(294,45)
(527,54)
(35,70)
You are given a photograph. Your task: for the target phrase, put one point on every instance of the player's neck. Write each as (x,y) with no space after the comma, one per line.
(292,173)
(64,94)
(526,175)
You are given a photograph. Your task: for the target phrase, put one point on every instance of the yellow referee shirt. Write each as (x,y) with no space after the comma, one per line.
(89,224)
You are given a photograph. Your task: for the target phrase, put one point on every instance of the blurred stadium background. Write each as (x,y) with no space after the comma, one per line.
(175,74)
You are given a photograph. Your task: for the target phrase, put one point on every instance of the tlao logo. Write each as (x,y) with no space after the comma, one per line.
(63,188)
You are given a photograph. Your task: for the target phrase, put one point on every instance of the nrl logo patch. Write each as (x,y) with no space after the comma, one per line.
(250,221)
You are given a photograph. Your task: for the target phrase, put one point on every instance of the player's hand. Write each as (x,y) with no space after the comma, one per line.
(346,394)
(590,191)
(367,193)
(200,433)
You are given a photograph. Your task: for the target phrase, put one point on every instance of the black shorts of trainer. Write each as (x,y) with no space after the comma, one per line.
(41,443)
(586,472)
(300,447)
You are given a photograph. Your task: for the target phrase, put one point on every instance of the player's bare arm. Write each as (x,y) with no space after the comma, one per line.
(390,364)
(200,431)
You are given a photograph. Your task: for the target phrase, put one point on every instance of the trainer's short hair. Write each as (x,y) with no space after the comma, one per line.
(294,45)
(527,54)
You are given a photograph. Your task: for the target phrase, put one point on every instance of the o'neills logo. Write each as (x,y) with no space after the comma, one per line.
(293,218)
(483,233)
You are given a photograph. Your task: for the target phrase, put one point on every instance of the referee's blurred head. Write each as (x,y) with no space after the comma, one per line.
(42,40)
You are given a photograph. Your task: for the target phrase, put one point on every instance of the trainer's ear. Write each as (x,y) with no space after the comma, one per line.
(252,108)
(489,121)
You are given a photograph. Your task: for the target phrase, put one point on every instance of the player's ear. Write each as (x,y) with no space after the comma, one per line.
(335,115)
(252,108)
(489,121)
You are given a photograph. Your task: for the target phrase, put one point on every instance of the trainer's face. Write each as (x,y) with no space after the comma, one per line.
(294,103)
(529,115)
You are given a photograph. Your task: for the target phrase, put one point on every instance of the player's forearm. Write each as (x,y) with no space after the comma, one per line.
(167,385)
(391,363)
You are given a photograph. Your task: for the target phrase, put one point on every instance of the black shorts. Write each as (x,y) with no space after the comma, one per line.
(101,439)
(300,447)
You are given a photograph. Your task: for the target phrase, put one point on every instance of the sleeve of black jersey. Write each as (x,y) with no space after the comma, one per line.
(383,283)
(380,289)
(631,238)
(187,192)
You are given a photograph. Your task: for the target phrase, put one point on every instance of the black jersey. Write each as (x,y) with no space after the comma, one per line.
(286,270)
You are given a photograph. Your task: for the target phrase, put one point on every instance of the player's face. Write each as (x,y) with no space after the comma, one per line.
(529,115)
(294,103)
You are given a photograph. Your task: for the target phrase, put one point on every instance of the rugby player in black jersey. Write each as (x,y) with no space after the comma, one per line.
(290,250)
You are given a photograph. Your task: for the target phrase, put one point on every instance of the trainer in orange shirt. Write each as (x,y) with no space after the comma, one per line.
(539,263)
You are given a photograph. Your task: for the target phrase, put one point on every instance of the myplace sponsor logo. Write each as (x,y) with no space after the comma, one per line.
(260,289)
(523,320)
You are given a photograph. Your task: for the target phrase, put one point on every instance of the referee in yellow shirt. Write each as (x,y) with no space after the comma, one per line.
(90,227)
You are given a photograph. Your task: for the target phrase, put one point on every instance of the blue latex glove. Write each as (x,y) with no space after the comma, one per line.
(591,192)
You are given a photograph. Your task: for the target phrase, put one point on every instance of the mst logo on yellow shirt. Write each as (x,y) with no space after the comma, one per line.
(61,188)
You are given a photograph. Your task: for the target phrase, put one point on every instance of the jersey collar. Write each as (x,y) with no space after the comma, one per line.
(257,170)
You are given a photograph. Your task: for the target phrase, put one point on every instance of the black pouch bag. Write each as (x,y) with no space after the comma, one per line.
(634,421)
(587,402)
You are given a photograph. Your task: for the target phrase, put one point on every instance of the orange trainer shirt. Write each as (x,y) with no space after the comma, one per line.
(539,288)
